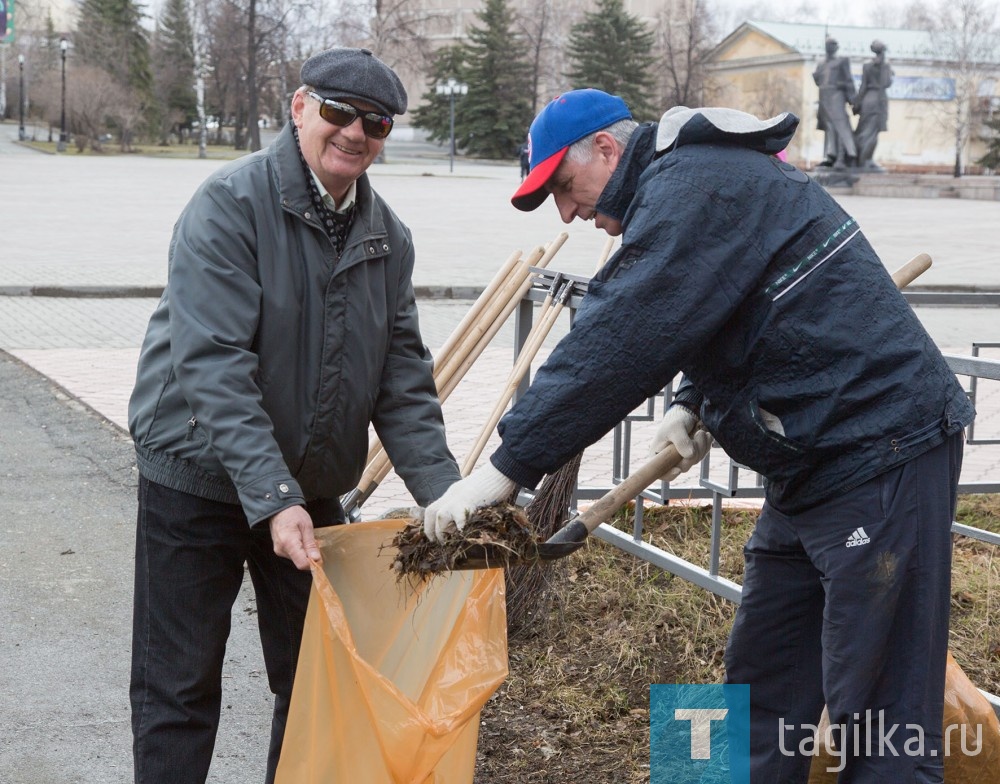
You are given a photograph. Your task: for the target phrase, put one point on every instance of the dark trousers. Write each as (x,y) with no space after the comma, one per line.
(847,604)
(189,562)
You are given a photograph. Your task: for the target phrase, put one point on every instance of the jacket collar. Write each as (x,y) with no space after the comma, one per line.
(293,189)
(680,126)
(716,125)
(618,193)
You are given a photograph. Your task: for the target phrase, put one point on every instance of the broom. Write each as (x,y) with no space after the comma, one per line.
(528,585)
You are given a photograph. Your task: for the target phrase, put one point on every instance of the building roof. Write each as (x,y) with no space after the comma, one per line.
(810,39)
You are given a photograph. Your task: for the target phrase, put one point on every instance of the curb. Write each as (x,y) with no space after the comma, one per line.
(154,292)
(421,292)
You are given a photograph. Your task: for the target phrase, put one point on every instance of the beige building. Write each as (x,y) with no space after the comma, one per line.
(767,67)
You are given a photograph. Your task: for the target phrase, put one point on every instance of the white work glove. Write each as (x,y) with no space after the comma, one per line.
(682,428)
(482,487)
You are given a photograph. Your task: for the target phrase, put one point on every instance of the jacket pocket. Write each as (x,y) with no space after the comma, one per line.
(743,433)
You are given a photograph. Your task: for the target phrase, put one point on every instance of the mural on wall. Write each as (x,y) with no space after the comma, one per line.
(922,88)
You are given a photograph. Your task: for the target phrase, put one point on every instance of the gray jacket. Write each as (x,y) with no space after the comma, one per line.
(267,356)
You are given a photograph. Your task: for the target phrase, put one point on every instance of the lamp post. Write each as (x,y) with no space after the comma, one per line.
(61,146)
(20,93)
(451,88)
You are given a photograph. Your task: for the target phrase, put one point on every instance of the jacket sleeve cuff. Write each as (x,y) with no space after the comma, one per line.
(688,396)
(268,496)
(504,462)
(432,490)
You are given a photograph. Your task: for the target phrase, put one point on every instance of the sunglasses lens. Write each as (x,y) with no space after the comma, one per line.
(337,115)
(376,125)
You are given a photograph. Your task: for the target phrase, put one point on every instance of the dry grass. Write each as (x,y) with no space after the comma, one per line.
(576,705)
(975,605)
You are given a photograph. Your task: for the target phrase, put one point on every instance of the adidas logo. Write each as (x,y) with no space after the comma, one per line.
(858,538)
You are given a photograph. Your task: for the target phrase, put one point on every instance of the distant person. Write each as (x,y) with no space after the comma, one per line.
(836,93)
(524,153)
(288,324)
(806,364)
(872,105)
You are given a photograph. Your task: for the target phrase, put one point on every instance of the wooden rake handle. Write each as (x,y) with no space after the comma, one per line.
(553,305)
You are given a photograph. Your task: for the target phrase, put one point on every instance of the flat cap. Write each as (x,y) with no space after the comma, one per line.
(355,73)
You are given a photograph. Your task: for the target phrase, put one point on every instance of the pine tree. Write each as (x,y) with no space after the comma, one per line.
(493,119)
(50,46)
(433,114)
(992,158)
(612,51)
(173,55)
(111,36)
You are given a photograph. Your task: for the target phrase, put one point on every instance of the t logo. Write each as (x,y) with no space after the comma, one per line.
(699,733)
(701,728)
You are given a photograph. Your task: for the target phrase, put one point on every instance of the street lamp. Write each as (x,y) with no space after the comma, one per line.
(451,88)
(20,93)
(61,147)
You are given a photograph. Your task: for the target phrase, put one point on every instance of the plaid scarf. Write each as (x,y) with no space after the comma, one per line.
(336,224)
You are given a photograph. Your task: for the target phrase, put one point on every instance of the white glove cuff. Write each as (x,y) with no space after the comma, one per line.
(493,484)
(680,413)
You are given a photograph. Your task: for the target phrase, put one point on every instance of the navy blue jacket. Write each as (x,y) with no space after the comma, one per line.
(740,271)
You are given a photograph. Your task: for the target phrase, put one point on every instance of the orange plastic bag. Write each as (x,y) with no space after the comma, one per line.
(971,736)
(392,674)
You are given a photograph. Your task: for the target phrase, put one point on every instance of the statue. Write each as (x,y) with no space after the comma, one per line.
(836,91)
(872,106)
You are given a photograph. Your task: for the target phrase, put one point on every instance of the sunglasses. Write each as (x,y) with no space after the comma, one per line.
(341,114)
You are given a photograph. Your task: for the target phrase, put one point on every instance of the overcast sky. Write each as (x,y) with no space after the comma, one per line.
(835,12)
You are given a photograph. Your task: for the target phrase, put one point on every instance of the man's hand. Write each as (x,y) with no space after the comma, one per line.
(482,487)
(684,430)
(292,534)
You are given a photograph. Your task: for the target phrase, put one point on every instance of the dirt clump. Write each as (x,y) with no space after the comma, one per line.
(500,528)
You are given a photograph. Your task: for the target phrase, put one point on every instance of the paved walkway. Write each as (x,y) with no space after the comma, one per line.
(87,222)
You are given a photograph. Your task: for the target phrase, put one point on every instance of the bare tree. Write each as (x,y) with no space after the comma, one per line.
(915,15)
(685,33)
(395,30)
(249,59)
(536,27)
(545,26)
(96,98)
(966,39)
(770,93)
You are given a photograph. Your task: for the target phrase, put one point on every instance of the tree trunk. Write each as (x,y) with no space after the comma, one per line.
(253,112)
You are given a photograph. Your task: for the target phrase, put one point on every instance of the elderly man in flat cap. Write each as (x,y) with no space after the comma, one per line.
(288,324)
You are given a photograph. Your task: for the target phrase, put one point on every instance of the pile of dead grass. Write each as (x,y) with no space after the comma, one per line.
(576,704)
(502,527)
